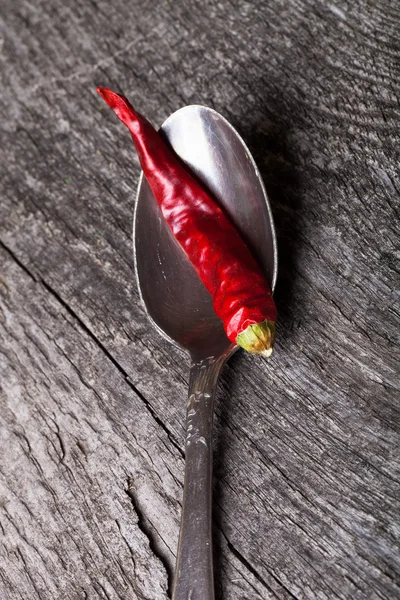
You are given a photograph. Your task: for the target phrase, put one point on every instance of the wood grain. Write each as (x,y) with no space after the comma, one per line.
(92,399)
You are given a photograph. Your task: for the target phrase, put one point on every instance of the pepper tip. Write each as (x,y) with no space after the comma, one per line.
(121,106)
(108,95)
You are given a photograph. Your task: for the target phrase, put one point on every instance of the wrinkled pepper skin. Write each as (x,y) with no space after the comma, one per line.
(240,292)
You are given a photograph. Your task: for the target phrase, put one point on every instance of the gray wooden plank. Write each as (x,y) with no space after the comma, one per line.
(307,461)
(75,445)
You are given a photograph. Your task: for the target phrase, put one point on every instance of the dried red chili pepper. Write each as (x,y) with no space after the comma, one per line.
(242,297)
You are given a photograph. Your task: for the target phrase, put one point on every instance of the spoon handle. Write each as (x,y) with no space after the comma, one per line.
(194,578)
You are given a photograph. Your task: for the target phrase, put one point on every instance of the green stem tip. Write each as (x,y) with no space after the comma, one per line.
(258,338)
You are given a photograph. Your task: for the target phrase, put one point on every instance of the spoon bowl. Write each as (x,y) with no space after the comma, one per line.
(181,308)
(176,300)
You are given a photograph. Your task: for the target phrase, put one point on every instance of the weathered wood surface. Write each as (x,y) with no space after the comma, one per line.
(92,400)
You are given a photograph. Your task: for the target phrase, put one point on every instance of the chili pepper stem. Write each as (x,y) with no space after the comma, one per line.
(258,338)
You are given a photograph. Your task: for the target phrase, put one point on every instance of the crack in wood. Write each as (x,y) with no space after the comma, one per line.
(19,263)
(147,529)
(115,363)
(88,331)
(254,572)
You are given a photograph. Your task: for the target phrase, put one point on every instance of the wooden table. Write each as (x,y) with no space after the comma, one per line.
(93,400)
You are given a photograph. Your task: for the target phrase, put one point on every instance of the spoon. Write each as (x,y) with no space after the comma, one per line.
(181,309)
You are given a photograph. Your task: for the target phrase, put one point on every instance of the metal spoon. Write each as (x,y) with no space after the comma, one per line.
(181,309)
